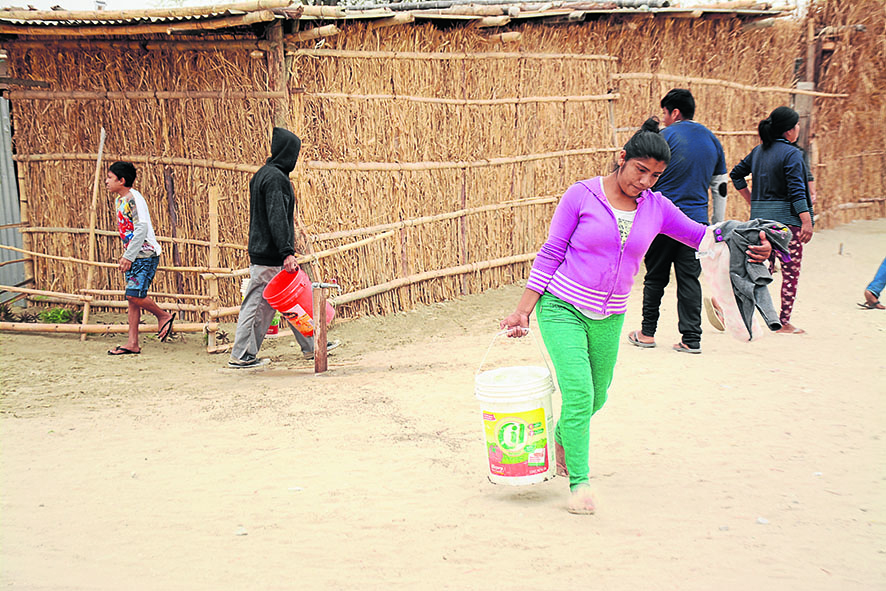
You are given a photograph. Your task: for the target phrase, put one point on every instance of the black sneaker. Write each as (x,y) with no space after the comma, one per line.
(329,347)
(248,364)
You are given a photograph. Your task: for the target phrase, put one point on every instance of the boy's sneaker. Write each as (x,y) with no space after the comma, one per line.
(329,347)
(248,364)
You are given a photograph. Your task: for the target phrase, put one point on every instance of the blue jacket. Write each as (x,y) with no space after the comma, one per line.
(779,191)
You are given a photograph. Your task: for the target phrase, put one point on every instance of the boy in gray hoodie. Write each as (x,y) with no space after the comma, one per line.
(271,249)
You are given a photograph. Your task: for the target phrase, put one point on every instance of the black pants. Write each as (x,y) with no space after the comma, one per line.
(662,253)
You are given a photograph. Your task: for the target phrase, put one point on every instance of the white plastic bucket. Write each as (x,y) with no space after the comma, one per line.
(518,423)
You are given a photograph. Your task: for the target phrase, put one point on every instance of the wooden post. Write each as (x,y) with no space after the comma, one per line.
(173,226)
(804,103)
(277,74)
(462,231)
(27,240)
(92,221)
(612,124)
(213,260)
(320,360)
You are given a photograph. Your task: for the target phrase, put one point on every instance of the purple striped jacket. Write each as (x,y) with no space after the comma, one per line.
(583,261)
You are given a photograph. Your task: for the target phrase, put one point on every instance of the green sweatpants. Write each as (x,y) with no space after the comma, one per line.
(583,352)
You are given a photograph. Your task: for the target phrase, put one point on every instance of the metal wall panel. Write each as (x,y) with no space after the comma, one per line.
(9,207)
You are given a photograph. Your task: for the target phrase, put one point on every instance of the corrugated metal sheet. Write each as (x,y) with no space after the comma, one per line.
(76,22)
(9,207)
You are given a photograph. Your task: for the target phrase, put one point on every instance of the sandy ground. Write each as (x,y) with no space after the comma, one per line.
(751,466)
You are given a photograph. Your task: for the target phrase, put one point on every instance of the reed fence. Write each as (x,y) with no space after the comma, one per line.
(430,165)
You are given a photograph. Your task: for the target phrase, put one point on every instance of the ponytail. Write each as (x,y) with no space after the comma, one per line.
(765,131)
(648,143)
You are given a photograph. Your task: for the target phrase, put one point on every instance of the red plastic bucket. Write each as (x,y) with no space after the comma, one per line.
(291,295)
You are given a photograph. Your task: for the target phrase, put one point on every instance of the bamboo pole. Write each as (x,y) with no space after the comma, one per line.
(412,279)
(723,83)
(172,208)
(316,256)
(423,166)
(54,294)
(93,207)
(277,75)
(220,348)
(435,218)
(129,95)
(402,18)
(319,165)
(164,239)
(168,306)
(324,11)
(122,15)
(113,265)
(153,45)
(97,328)
(310,35)
(509,37)
(250,18)
(152,294)
(213,257)
(224,312)
(463,101)
(417,55)
(24,214)
(12,262)
(493,21)
(53,157)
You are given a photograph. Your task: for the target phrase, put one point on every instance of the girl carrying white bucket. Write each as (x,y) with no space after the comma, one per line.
(580,281)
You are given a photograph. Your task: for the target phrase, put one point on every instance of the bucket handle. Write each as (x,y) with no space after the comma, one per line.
(505,331)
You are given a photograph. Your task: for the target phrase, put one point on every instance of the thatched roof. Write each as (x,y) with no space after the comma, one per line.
(488,13)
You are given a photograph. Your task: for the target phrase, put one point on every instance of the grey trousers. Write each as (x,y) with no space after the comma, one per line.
(256,315)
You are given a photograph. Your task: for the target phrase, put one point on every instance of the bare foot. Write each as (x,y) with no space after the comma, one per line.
(560,456)
(788,328)
(872,302)
(581,502)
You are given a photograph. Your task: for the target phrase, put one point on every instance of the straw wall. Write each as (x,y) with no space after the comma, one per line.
(850,134)
(370,159)
(387,130)
(59,192)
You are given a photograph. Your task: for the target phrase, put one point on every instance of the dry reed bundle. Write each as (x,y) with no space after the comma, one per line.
(849,134)
(226,130)
(351,113)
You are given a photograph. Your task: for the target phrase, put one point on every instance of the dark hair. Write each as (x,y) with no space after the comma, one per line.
(780,120)
(648,143)
(679,98)
(125,171)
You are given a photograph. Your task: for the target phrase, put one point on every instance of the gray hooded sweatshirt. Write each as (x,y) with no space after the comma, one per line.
(750,280)
(272,203)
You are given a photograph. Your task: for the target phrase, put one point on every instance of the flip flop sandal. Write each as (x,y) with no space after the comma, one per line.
(168,333)
(634,339)
(123,351)
(715,317)
(684,348)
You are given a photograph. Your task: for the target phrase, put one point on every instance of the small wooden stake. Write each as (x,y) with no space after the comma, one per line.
(320,330)
(92,221)
(213,260)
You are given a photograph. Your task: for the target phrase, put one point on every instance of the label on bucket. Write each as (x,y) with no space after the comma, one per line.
(516,442)
(300,320)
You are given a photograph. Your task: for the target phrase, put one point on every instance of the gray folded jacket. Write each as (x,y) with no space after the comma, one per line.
(750,280)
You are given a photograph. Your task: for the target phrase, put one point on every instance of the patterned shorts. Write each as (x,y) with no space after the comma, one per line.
(140,275)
